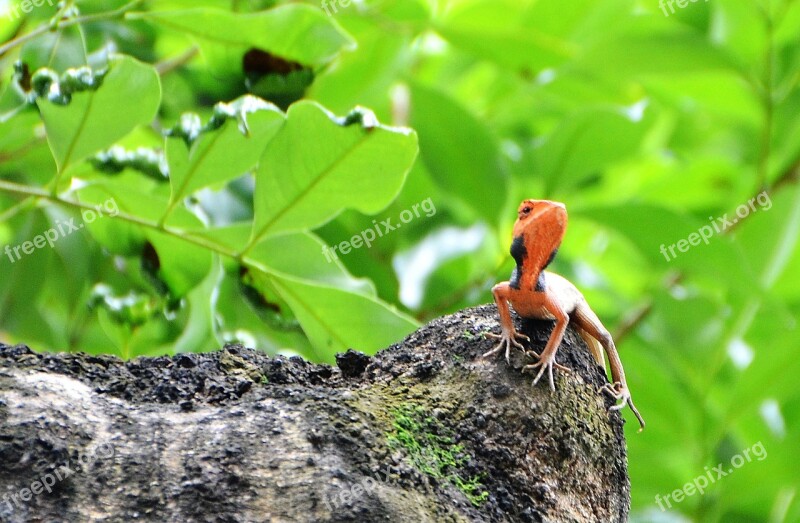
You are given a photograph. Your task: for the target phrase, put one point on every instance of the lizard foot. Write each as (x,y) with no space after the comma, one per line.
(545,363)
(622,396)
(506,340)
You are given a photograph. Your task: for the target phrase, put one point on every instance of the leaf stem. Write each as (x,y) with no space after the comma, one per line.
(768,103)
(186,236)
(15,209)
(167,66)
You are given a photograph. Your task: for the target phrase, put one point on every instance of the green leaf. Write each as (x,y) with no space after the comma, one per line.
(295,31)
(335,320)
(336,311)
(129,195)
(94,120)
(24,287)
(302,255)
(740,28)
(652,50)
(318,165)
(118,334)
(182,265)
(770,239)
(585,144)
(132,217)
(403,11)
(459,151)
(502,31)
(233,237)
(661,234)
(220,155)
(200,333)
(365,77)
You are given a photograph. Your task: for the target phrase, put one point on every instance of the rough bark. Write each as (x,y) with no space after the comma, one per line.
(416,433)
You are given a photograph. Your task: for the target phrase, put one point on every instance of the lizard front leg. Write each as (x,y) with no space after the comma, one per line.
(547,360)
(509,334)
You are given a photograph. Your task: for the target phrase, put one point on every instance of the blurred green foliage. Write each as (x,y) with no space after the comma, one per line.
(655,122)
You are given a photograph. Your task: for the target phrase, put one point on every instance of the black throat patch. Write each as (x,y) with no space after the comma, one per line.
(518,250)
(519,253)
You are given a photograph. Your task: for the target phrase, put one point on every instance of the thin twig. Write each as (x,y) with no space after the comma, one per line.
(52,26)
(167,66)
(186,236)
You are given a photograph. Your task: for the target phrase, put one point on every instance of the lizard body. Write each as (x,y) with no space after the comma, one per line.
(539,294)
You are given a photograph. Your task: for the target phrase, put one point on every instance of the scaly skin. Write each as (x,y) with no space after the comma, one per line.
(537,294)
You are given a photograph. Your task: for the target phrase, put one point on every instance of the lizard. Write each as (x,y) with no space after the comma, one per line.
(538,294)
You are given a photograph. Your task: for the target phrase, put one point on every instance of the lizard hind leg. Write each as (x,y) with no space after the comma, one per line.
(586,320)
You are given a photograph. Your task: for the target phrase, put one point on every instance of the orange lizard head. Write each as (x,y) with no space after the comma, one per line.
(541,224)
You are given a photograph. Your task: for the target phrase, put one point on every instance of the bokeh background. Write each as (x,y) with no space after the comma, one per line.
(654,122)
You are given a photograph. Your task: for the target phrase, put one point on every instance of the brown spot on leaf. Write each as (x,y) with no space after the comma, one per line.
(257,63)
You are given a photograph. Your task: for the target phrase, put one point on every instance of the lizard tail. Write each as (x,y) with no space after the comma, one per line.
(594,347)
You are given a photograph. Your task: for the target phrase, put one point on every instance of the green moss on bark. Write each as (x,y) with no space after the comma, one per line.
(433,451)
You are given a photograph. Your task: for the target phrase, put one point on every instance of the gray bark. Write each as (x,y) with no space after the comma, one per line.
(423,431)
